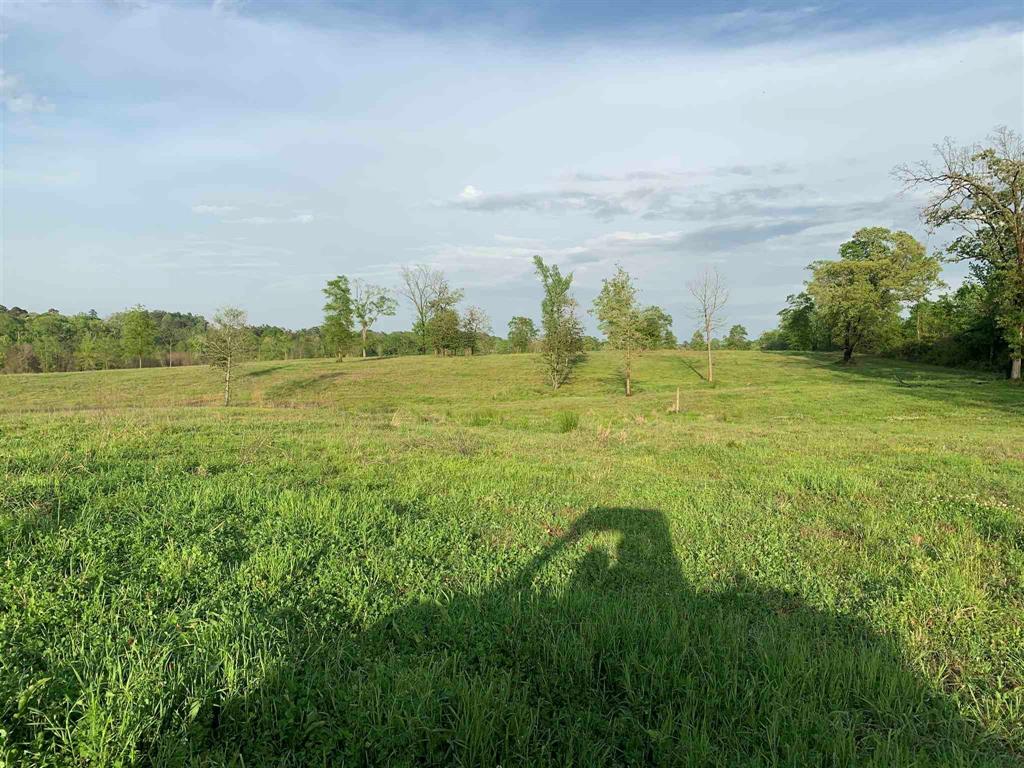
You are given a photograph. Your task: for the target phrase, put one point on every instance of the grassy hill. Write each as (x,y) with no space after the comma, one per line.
(424,560)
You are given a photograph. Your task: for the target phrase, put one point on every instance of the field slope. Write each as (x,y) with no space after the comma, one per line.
(421,560)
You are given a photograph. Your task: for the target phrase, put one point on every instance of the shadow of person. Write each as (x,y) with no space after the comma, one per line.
(600,653)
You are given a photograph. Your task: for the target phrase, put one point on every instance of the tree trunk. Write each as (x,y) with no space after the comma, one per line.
(227,383)
(1015,365)
(364,341)
(847,353)
(629,381)
(140,361)
(677,401)
(711,368)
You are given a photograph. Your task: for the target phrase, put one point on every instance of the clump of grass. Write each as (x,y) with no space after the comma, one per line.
(567,421)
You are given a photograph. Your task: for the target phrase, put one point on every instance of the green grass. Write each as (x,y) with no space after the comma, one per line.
(409,561)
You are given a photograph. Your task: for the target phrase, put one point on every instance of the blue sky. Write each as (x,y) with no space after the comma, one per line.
(190,155)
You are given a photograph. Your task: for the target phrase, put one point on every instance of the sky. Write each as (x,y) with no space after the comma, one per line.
(191,155)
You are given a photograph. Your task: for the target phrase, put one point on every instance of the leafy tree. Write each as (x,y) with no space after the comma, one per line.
(337,327)
(476,329)
(444,331)
(619,319)
(521,333)
(859,296)
(711,294)
(228,342)
(420,285)
(370,303)
(737,338)
(981,190)
(138,333)
(800,325)
(563,333)
(656,329)
(697,341)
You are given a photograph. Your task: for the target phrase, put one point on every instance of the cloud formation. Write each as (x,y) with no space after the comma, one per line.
(17,99)
(758,151)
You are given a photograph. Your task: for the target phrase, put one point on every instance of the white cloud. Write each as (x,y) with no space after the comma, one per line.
(215,209)
(18,100)
(469,192)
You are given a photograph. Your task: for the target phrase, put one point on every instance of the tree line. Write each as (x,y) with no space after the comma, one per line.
(882,295)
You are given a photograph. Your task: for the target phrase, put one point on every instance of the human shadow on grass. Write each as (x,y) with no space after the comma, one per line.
(626,664)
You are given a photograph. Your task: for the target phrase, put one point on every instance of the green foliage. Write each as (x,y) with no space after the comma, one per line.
(227,343)
(337,327)
(370,303)
(737,338)
(563,333)
(626,328)
(138,333)
(860,295)
(521,333)
(656,329)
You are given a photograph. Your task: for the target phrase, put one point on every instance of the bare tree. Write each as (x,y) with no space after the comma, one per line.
(421,286)
(981,190)
(711,294)
(369,303)
(227,342)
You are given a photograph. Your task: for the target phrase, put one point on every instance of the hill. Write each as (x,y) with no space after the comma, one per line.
(423,560)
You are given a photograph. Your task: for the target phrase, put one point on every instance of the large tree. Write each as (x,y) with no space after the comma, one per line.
(859,296)
(369,304)
(711,295)
(980,189)
(338,316)
(563,333)
(138,333)
(619,319)
(521,333)
(226,343)
(656,328)
(420,285)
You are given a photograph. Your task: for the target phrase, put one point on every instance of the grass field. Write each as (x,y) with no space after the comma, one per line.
(417,560)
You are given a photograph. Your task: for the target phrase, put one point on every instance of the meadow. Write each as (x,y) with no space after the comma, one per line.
(441,561)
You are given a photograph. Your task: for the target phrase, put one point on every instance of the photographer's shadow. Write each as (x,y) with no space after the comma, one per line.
(630,664)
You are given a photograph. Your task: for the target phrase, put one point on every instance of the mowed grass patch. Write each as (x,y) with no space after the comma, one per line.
(410,561)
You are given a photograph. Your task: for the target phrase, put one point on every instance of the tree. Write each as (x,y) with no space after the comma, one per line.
(563,333)
(697,340)
(420,285)
(619,319)
(711,294)
(476,327)
(981,190)
(656,329)
(228,341)
(860,295)
(369,303)
(337,328)
(737,338)
(138,333)
(521,333)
